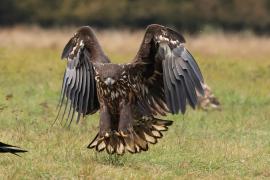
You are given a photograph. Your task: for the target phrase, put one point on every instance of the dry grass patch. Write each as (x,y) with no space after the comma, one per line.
(233,143)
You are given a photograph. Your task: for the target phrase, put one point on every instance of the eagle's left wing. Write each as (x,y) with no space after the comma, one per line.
(164,73)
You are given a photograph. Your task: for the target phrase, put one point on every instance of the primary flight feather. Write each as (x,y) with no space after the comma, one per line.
(162,78)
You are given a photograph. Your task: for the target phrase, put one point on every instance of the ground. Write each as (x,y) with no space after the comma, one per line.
(232,143)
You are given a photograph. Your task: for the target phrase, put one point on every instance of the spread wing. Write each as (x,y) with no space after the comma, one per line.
(166,72)
(6,148)
(79,92)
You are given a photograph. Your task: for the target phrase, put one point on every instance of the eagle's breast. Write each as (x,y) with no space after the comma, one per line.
(113,91)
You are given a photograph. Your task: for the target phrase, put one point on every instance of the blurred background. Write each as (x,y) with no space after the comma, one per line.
(187,15)
(228,38)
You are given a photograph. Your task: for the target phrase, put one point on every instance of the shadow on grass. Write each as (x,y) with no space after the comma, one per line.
(107,159)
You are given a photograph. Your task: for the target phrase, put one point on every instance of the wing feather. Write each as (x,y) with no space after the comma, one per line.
(87,90)
(82,92)
(168,88)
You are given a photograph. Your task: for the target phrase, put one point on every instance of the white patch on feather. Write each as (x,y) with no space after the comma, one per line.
(146,90)
(146,118)
(81,43)
(109,81)
(174,42)
(73,50)
(162,38)
(112,95)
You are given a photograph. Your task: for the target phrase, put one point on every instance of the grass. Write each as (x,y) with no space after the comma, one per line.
(232,144)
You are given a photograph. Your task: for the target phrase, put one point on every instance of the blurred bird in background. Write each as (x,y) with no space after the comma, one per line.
(6,148)
(208,101)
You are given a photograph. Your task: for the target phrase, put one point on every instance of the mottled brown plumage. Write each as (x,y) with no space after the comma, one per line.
(162,78)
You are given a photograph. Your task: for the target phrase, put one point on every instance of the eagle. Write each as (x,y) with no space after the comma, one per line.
(6,148)
(162,78)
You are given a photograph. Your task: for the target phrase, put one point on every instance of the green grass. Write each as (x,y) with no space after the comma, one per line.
(232,143)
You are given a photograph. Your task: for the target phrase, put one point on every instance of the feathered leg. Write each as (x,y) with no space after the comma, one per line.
(133,134)
(105,121)
(100,141)
(138,132)
(125,119)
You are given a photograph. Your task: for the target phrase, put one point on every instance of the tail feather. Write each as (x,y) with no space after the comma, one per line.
(129,143)
(135,140)
(160,128)
(138,149)
(100,144)
(157,134)
(120,149)
(161,122)
(94,142)
(149,136)
(112,143)
(109,146)
(141,143)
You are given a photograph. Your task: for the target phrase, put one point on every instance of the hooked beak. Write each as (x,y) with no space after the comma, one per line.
(109,81)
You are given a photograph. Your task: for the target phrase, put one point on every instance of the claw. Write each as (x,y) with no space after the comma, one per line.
(107,135)
(123,134)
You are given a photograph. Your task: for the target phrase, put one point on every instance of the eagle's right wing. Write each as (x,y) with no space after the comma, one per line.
(79,92)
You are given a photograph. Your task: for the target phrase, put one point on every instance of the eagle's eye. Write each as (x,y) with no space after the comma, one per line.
(109,81)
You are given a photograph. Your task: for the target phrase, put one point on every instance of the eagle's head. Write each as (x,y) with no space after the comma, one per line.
(109,74)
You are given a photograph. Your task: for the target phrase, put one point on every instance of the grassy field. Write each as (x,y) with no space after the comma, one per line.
(232,143)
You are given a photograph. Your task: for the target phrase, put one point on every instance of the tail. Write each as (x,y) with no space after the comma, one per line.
(135,140)
(6,148)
